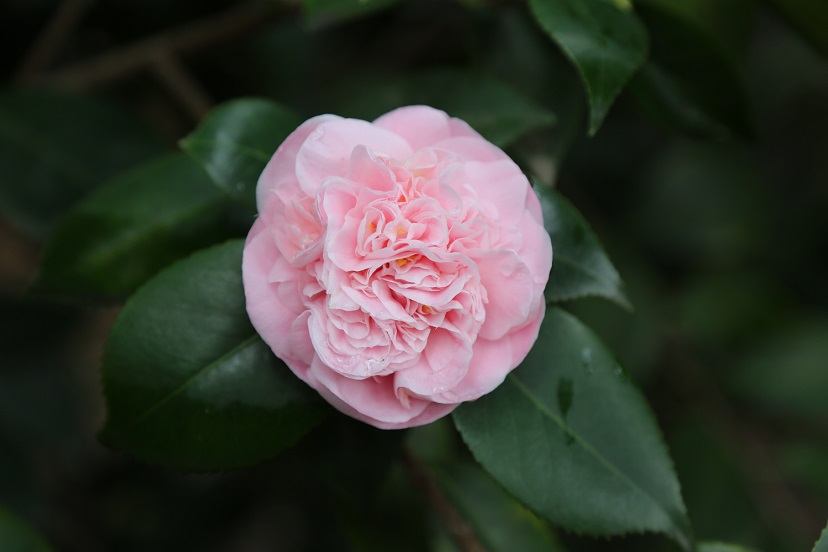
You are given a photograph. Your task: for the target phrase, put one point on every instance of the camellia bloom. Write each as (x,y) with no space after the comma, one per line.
(397,267)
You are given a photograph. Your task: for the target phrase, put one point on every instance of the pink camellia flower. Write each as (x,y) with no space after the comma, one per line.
(397,267)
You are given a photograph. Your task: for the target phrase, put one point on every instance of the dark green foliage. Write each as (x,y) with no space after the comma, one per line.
(493,108)
(188,383)
(56,148)
(580,267)
(235,142)
(124,232)
(569,435)
(603,38)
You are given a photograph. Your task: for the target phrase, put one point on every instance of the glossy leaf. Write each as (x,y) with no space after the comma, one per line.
(580,267)
(56,148)
(603,38)
(123,233)
(809,17)
(570,436)
(491,107)
(822,543)
(722,547)
(17,536)
(236,140)
(334,10)
(498,520)
(692,81)
(188,382)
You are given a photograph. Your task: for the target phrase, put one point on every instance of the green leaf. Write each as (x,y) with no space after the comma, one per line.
(17,536)
(336,10)
(56,148)
(498,520)
(580,267)
(571,437)
(809,17)
(235,141)
(188,382)
(692,80)
(822,543)
(722,547)
(603,38)
(493,108)
(122,234)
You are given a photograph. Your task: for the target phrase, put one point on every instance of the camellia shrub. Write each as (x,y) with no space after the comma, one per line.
(355,290)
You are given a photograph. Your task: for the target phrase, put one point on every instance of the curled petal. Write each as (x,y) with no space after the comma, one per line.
(327,150)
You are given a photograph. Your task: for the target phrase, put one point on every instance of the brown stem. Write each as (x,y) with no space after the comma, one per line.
(48,42)
(144,53)
(458,528)
(182,85)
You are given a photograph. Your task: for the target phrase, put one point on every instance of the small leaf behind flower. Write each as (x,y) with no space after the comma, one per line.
(493,108)
(499,521)
(236,140)
(188,382)
(56,148)
(124,232)
(603,38)
(596,464)
(580,267)
(692,80)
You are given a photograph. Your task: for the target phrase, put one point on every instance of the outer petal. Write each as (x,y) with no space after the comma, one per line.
(433,411)
(536,250)
(271,316)
(420,125)
(373,398)
(501,183)
(282,166)
(511,292)
(493,360)
(471,148)
(327,150)
(442,365)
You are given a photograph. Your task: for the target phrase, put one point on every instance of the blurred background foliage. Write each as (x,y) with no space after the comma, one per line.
(707,183)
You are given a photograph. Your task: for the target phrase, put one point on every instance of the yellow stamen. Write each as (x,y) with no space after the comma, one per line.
(426,309)
(401,262)
(401,232)
(372,227)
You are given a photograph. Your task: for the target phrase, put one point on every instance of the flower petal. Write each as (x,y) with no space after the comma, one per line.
(442,365)
(282,166)
(511,292)
(327,150)
(493,360)
(420,125)
(271,317)
(373,398)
